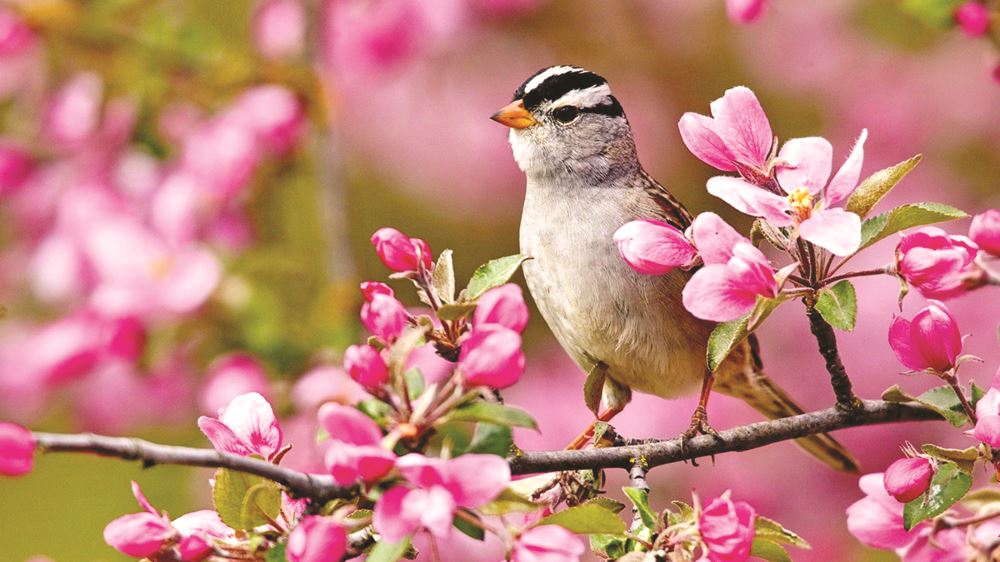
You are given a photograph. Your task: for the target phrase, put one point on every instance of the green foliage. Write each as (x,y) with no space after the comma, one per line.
(593,387)
(941,399)
(947,487)
(773,531)
(414,383)
(491,412)
(906,216)
(933,13)
(964,458)
(640,499)
(245,501)
(456,310)
(878,185)
(276,554)
(492,439)
(587,518)
(727,335)
(763,230)
(385,551)
(443,277)
(839,305)
(467,527)
(491,274)
(769,551)
(612,547)
(509,501)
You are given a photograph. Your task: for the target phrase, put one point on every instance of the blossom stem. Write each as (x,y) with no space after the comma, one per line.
(827,340)
(950,523)
(884,270)
(952,379)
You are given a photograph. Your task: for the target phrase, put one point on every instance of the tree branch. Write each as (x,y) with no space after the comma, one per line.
(647,455)
(317,486)
(827,340)
(870,412)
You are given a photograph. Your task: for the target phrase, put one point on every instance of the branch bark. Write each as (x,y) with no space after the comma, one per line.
(827,340)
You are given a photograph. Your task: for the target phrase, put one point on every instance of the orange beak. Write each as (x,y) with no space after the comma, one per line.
(514,116)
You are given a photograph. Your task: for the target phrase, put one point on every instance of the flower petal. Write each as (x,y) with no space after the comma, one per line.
(835,229)
(652,247)
(714,238)
(348,424)
(846,178)
(806,162)
(741,123)
(901,343)
(750,199)
(251,418)
(713,294)
(698,134)
(389,519)
(475,480)
(222,438)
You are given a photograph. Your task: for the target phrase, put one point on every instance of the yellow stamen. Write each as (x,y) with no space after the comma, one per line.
(802,203)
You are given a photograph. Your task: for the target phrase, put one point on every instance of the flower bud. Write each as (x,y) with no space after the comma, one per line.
(372,288)
(550,543)
(316,539)
(907,478)
(139,534)
(365,366)
(744,11)
(399,252)
(384,316)
(985,231)
(988,413)
(930,341)
(653,247)
(727,528)
(935,263)
(973,18)
(503,305)
(492,357)
(17,450)
(15,164)
(279,29)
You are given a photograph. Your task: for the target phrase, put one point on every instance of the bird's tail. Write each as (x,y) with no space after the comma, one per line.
(750,384)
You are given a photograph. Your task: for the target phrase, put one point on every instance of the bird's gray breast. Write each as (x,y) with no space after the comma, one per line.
(598,308)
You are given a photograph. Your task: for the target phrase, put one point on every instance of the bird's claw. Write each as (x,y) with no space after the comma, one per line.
(699,426)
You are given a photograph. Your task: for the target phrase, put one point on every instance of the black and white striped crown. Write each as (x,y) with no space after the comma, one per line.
(568,85)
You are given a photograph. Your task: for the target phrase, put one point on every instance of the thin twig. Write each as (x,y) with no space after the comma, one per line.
(827,340)
(952,379)
(885,270)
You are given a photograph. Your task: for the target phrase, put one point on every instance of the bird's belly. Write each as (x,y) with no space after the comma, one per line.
(602,311)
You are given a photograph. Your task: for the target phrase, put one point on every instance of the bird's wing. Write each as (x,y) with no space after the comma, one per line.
(674,211)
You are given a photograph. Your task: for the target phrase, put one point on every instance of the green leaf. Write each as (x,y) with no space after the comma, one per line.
(975,394)
(903,217)
(933,13)
(467,527)
(456,310)
(585,519)
(276,554)
(385,551)
(405,344)
(375,409)
(770,551)
(942,399)
(878,185)
(593,386)
(607,503)
(685,513)
(492,274)
(896,394)
(509,501)
(491,412)
(245,501)
(964,458)
(492,439)
(727,335)
(611,546)
(763,230)
(640,499)
(414,383)
(773,531)
(947,487)
(839,305)
(443,277)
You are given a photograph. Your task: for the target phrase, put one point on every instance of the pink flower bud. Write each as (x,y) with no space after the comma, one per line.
(985,231)
(549,543)
(399,252)
(653,247)
(907,478)
(492,357)
(279,29)
(74,112)
(247,426)
(727,529)
(384,316)
(273,113)
(365,366)
(372,288)
(935,263)
(15,165)
(930,341)
(139,534)
(744,11)
(15,35)
(503,305)
(17,450)
(128,338)
(230,376)
(988,413)
(317,539)
(973,18)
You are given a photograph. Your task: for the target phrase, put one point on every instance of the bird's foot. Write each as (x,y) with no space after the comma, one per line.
(699,426)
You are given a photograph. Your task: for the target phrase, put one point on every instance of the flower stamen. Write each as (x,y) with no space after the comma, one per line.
(802,203)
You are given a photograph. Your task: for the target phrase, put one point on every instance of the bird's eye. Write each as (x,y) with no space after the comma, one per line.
(566,113)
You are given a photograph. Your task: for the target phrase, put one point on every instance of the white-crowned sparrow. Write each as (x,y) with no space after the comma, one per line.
(571,138)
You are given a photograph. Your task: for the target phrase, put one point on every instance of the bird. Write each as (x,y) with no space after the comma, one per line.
(571,138)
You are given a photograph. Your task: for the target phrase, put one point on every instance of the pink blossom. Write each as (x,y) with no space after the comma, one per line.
(973,18)
(936,263)
(877,519)
(803,170)
(931,341)
(222,153)
(734,275)
(140,534)
(738,135)
(325,383)
(432,366)
(491,356)
(908,478)
(73,114)
(744,11)
(988,416)
(354,451)
(15,163)
(384,316)
(247,426)
(441,487)
(272,113)
(363,36)
(399,252)
(946,545)
(199,529)
(727,529)
(230,376)
(371,288)
(317,539)
(279,29)
(985,231)
(15,35)
(366,366)
(502,305)
(17,450)
(653,247)
(548,543)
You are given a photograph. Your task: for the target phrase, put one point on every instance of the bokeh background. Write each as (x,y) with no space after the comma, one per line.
(187,189)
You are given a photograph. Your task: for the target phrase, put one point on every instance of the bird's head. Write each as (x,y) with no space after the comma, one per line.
(564,117)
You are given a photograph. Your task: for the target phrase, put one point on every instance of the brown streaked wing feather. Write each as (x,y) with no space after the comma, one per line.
(674,211)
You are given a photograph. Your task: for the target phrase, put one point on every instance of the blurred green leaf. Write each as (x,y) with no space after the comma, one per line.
(492,412)
(509,501)
(640,499)
(727,335)
(611,546)
(934,13)
(492,274)
(769,551)
(838,305)
(586,518)
(878,185)
(276,554)
(593,387)
(776,532)
(469,528)
(948,486)
(443,277)
(491,438)
(455,311)
(385,551)
(964,458)
(414,383)
(906,216)
(245,501)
